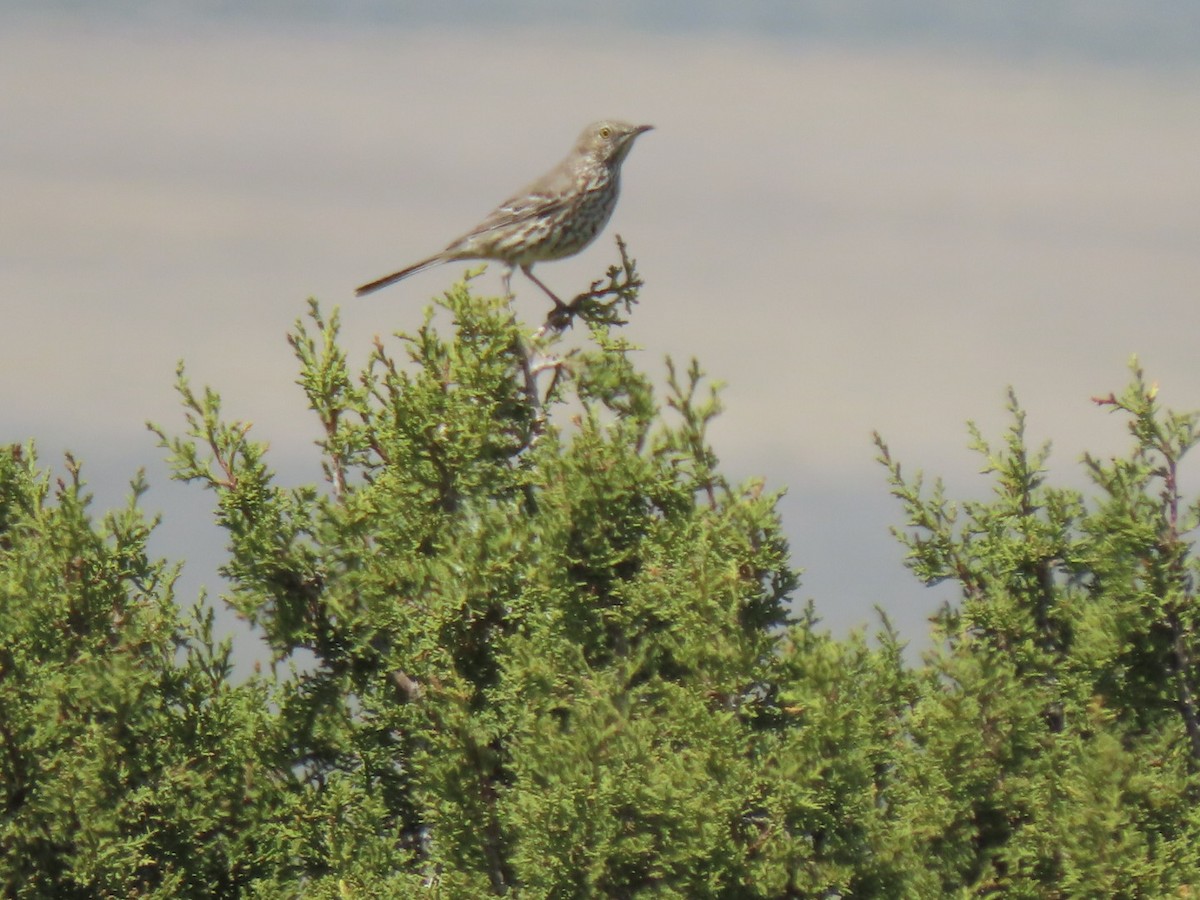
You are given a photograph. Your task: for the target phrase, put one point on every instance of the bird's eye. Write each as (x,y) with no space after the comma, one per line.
(605,132)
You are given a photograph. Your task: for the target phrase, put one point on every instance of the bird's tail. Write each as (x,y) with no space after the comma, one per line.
(383,282)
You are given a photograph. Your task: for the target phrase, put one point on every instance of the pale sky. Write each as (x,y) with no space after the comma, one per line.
(852,235)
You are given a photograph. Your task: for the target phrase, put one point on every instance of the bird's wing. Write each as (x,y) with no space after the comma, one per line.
(543,197)
(520,208)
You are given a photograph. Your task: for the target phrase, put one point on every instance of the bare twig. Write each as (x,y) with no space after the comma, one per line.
(600,301)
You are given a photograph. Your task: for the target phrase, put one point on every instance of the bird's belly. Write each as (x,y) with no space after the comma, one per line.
(569,230)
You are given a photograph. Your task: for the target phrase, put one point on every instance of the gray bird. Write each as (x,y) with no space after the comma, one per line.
(553,218)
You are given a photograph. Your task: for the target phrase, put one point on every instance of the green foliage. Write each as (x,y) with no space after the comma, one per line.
(127,758)
(540,645)
(527,639)
(1058,728)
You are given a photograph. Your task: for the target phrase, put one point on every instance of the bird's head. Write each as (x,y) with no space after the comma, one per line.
(609,141)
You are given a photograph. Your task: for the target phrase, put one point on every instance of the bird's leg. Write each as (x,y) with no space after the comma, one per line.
(559,318)
(528,270)
(507,282)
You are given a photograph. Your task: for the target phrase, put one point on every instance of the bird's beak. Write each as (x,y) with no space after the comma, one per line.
(642,129)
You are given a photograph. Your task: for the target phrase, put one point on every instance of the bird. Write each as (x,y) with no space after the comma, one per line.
(554,217)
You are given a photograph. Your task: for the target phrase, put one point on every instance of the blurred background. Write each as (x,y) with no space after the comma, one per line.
(857,215)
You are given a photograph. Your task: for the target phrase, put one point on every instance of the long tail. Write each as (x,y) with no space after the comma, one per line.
(396,276)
